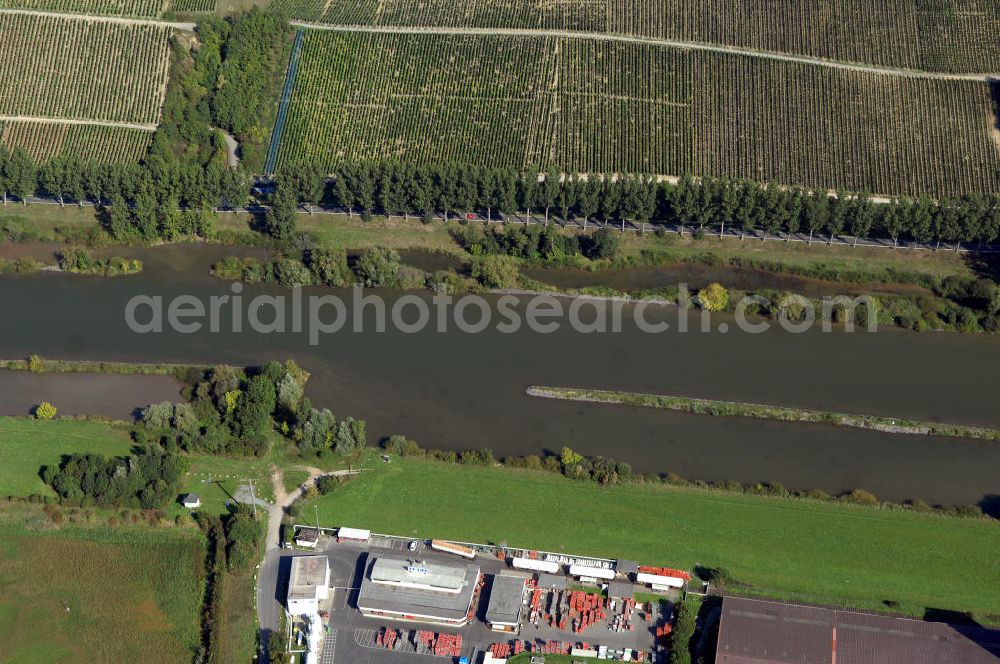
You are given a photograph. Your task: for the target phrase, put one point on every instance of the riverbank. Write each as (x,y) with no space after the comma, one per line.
(832,553)
(719,408)
(917,289)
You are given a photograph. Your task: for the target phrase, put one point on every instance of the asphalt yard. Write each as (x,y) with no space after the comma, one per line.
(546,619)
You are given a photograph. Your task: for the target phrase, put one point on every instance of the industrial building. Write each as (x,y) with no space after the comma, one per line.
(307,538)
(761,632)
(621,590)
(402,588)
(308,585)
(503,613)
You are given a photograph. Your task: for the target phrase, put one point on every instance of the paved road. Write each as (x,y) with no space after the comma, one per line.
(272,569)
(676,43)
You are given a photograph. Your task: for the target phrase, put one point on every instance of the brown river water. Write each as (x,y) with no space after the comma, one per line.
(455,390)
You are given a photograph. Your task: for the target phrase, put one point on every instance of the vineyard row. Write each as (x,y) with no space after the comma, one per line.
(80,69)
(597,106)
(938,35)
(44,141)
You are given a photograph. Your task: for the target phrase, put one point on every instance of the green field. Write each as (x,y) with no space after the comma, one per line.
(132,595)
(238,631)
(939,35)
(783,547)
(26,445)
(594,106)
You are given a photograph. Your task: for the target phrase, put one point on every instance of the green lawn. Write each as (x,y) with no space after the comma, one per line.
(793,548)
(216,480)
(133,595)
(26,445)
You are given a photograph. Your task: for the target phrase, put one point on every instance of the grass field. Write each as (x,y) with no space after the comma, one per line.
(239,619)
(592,106)
(26,445)
(945,35)
(786,547)
(133,595)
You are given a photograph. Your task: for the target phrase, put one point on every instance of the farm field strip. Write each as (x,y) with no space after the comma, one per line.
(76,68)
(124,8)
(940,35)
(655,41)
(44,139)
(589,106)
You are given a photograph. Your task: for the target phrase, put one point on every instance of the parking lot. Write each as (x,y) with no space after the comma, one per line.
(551,621)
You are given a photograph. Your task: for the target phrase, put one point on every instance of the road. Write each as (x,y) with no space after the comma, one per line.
(675,43)
(730,233)
(77,121)
(269,593)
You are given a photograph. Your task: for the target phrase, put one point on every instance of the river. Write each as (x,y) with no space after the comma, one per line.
(459,390)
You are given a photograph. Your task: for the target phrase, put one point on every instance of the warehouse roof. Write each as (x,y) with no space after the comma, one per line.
(506,599)
(555,581)
(619,589)
(308,573)
(408,600)
(761,632)
(626,566)
(410,573)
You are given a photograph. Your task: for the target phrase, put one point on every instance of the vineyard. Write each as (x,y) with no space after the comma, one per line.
(523,102)
(192,6)
(87,69)
(945,35)
(824,127)
(44,140)
(595,106)
(123,8)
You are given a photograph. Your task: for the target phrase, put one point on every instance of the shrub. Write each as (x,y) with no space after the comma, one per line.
(35,364)
(379,266)
(45,411)
(713,297)
(496,271)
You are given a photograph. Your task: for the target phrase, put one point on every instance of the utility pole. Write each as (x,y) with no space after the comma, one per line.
(317,519)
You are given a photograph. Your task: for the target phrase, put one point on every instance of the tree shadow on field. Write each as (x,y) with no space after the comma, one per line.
(984,265)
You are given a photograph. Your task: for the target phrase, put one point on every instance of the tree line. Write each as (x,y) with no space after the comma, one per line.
(697,205)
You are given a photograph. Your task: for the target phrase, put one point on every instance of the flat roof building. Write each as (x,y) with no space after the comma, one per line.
(307,538)
(503,612)
(761,632)
(620,590)
(308,584)
(406,589)
(553,581)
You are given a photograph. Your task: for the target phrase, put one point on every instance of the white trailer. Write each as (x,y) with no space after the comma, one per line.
(591,572)
(657,580)
(535,565)
(357,534)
